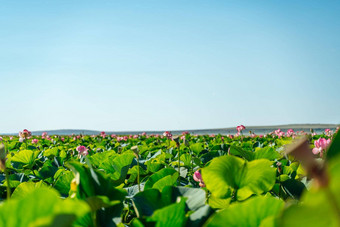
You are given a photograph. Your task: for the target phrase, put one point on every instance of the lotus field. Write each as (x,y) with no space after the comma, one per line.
(278,179)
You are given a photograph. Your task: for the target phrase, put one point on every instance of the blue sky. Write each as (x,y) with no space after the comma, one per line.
(165,65)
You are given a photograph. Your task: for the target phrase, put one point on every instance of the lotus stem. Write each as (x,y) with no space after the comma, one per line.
(136,153)
(138,177)
(179,167)
(8,184)
(3,155)
(192,161)
(176,139)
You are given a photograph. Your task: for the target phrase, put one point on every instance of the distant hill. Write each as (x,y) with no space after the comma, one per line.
(256,129)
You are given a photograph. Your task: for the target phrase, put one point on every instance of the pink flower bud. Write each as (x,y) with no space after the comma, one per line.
(35,141)
(82,150)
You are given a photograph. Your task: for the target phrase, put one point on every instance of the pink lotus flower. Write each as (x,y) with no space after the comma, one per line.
(43,135)
(119,138)
(144,134)
(1,138)
(240,128)
(167,134)
(135,136)
(35,141)
(290,132)
(222,138)
(198,178)
(320,146)
(212,136)
(82,150)
(113,136)
(185,133)
(279,133)
(25,134)
(328,132)
(62,139)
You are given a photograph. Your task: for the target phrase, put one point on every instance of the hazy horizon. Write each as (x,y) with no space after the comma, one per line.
(253,128)
(169,65)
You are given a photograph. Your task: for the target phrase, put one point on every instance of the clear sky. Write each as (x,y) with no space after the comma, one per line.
(165,65)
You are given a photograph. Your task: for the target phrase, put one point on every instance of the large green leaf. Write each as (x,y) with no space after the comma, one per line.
(319,214)
(238,151)
(26,188)
(63,180)
(199,217)
(248,214)
(98,158)
(170,216)
(47,170)
(195,197)
(197,147)
(186,159)
(267,153)
(25,158)
(52,152)
(293,188)
(195,203)
(162,178)
(218,203)
(247,178)
(334,148)
(148,201)
(96,183)
(319,206)
(41,207)
(118,167)
(153,165)
(133,173)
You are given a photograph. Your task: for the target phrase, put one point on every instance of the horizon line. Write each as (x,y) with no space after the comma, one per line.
(306,125)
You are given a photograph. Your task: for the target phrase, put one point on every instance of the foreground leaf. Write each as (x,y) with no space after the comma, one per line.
(250,213)
(162,178)
(172,215)
(247,178)
(41,207)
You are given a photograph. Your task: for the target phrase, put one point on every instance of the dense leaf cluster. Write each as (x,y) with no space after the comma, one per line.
(148,181)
